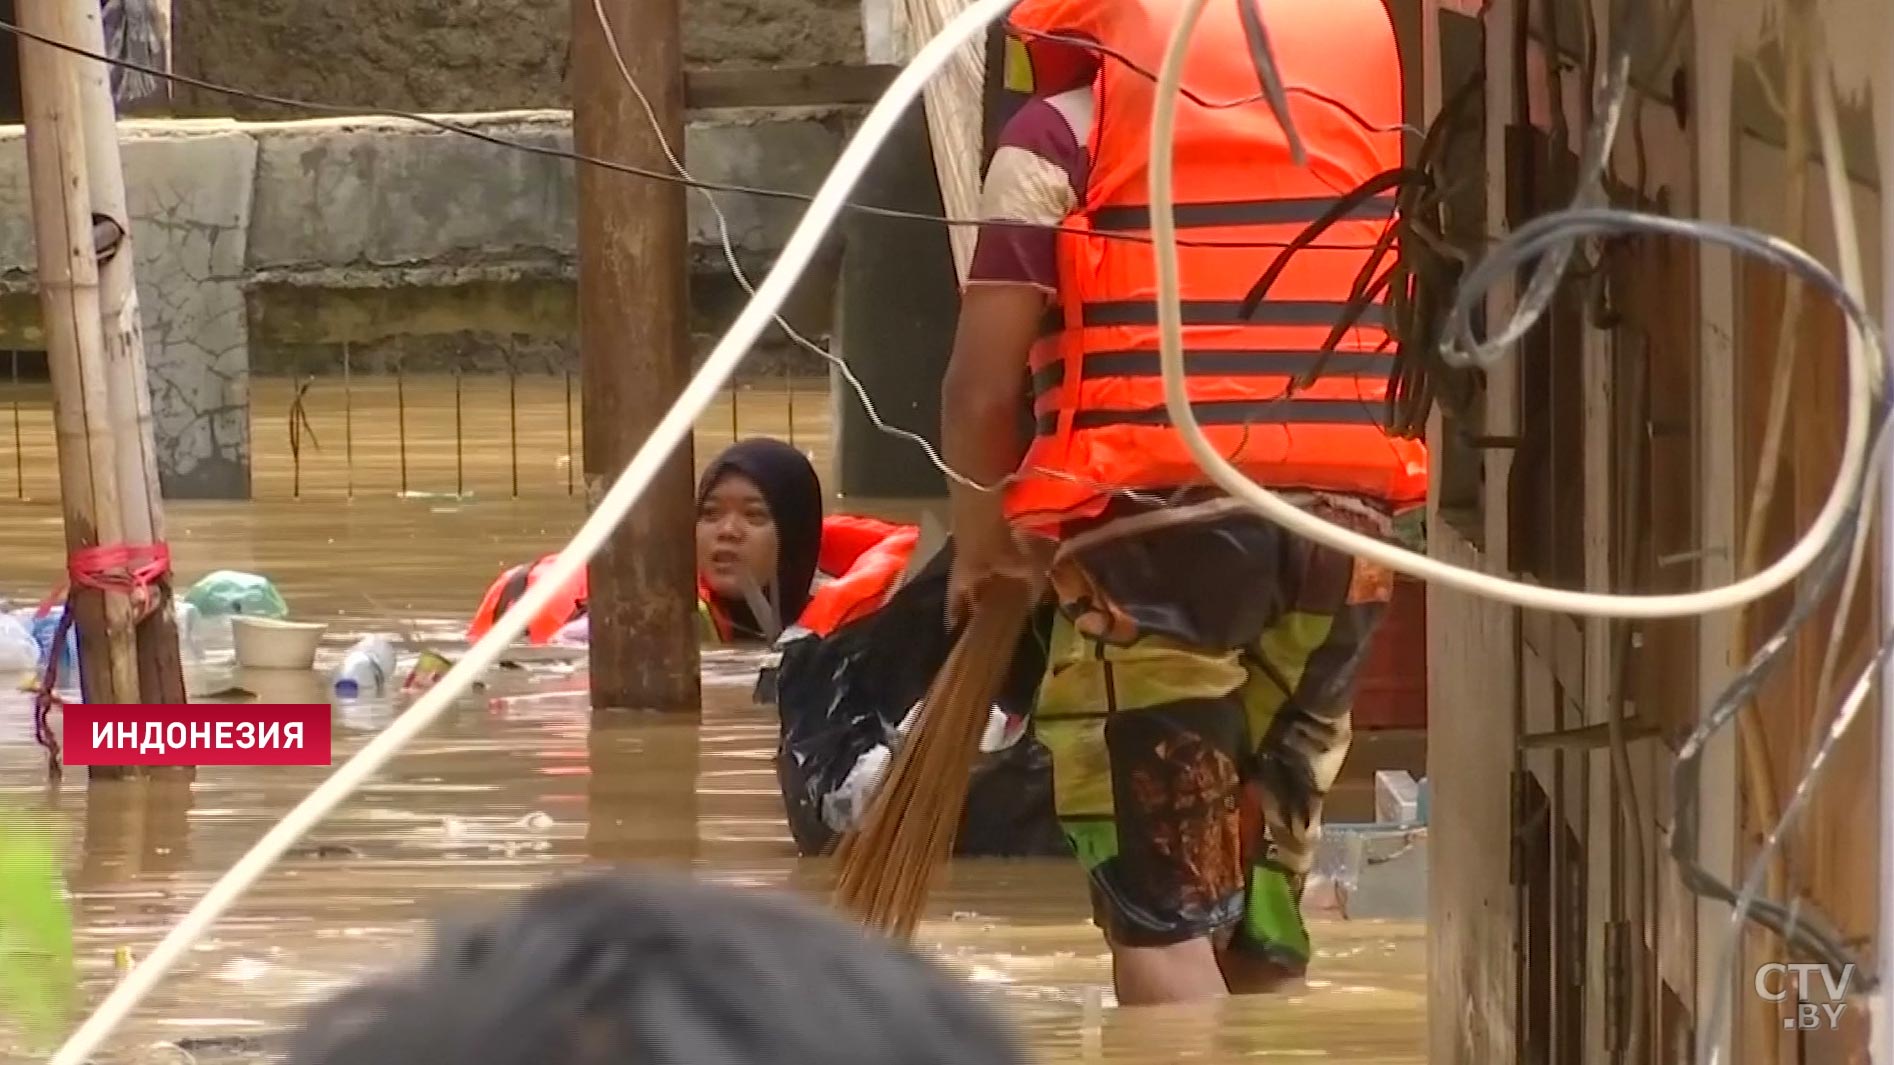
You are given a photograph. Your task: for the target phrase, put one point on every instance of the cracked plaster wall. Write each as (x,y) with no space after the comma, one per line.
(225,213)
(190,193)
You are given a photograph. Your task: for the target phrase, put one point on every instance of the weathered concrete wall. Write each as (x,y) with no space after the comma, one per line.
(461,55)
(191,199)
(310,235)
(189,192)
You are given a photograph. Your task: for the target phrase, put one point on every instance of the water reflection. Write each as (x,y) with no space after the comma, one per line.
(641,789)
(134,827)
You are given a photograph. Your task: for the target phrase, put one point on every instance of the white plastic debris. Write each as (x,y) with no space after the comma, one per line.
(367,671)
(19,651)
(1396,797)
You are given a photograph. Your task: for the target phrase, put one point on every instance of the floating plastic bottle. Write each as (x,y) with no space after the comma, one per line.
(367,671)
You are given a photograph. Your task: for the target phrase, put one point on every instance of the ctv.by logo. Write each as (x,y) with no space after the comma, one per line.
(1773,984)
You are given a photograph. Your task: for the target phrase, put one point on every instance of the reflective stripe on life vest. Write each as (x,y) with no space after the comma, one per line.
(1271,401)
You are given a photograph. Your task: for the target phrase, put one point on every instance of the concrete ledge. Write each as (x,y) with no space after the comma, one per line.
(387,196)
(365,201)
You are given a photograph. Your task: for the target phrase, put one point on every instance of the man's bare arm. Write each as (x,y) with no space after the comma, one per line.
(980,398)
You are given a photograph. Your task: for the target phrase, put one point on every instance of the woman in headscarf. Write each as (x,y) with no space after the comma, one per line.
(759,538)
(762,548)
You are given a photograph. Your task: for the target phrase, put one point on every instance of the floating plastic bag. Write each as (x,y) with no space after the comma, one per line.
(842,700)
(19,651)
(227,592)
(44,627)
(190,626)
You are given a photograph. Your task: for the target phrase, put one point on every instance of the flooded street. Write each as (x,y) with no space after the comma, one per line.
(522,782)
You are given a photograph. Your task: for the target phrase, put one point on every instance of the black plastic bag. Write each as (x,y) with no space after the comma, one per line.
(839,698)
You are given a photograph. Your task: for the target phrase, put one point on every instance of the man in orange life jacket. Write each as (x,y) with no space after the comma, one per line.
(1202,667)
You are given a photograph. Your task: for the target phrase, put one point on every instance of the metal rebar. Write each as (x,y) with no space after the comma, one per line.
(348,419)
(19,450)
(789,390)
(401,422)
(460,463)
(513,421)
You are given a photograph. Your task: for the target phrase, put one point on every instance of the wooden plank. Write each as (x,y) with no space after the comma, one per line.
(1713,61)
(823,86)
(1828,864)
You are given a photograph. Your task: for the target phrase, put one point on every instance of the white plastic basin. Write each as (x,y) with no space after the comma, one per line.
(265,643)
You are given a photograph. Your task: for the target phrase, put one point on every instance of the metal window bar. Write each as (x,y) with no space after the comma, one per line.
(401,421)
(513,420)
(789,391)
(348,419)
(19,449)
(460,462)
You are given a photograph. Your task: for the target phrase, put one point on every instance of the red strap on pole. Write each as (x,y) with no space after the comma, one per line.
(128,570)
(122,568)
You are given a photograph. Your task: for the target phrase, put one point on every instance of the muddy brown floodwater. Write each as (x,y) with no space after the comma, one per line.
(522,782)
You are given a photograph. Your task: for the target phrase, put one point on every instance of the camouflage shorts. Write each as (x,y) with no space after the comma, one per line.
(1196,704)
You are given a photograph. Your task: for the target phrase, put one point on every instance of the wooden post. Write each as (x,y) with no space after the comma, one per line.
(634,352)
(69,299)
(160,675)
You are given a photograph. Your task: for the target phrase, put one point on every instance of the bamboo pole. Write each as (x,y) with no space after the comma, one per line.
(69,301)
(160,674)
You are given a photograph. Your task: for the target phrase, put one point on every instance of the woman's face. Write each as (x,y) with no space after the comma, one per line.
(736,537)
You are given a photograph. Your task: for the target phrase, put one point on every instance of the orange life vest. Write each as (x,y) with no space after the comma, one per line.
(867,554)
(864,585)
(509,586)
(1098,392)
(846,536)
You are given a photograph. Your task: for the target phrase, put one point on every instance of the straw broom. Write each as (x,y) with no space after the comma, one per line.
(889,863)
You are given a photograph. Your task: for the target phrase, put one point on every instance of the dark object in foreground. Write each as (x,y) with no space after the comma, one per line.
(658,970)
(839,698)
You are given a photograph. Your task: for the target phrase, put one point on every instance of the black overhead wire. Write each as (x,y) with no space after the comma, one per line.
(475,133)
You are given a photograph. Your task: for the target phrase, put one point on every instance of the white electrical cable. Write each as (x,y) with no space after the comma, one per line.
(1841,498)
(671,430)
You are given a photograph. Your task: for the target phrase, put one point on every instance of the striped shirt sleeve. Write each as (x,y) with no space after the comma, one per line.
(1036,179)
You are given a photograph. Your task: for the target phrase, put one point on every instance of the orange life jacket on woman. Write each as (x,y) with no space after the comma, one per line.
(867,555)
(1098,391)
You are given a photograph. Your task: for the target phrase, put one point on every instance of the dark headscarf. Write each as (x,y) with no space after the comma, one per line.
(794,494)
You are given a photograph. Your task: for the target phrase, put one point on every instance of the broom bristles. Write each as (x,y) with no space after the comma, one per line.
(889,863)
